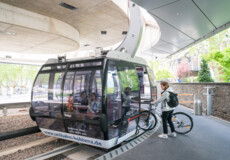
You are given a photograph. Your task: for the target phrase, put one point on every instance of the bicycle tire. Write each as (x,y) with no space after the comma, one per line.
(178,123)
(143,120)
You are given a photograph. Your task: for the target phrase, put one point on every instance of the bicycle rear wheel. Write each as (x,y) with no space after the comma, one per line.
(183,123)
(147,120)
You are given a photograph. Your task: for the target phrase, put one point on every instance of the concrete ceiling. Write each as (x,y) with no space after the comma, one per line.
(24,40)
(45,27)
(185,22)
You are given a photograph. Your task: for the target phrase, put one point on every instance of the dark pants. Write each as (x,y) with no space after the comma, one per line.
(124,112)
(167,117)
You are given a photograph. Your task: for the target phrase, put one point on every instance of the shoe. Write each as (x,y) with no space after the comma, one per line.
(163,136)
(173,134)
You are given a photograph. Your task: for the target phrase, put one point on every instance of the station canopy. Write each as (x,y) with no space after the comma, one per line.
(34,30)
(184,23)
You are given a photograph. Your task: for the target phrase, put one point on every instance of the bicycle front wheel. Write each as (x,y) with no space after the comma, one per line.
(183,123)
(147,120)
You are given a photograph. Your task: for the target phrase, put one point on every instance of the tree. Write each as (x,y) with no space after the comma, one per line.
(204,73)
(222,58)
(14,75)
(183,69)
(160,73)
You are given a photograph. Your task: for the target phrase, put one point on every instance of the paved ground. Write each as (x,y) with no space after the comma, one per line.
(209,140)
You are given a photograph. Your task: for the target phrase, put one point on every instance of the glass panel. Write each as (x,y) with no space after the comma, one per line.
(55,101)
(152,82)
(130,94)
(82,101)
(81,90)
(151,76)
(140,73)
(47,100)
(61,67)
(78,96)
(40,94)
(87,64)
(68,94)
(46,68)
(147,93)
(96,93)
(144,83)
(128,76)
(113,100)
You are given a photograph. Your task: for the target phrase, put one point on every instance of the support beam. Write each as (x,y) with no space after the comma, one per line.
(134,35)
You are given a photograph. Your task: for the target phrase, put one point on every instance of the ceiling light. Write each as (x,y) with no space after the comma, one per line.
(68,6)
(7,56)
(10,33)
(103,32)
(124,32)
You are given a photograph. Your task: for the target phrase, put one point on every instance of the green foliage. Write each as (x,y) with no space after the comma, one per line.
(223,60)
(163,74)
(13,75)
(204,73)
(216,52)
(159,72)
(129,79)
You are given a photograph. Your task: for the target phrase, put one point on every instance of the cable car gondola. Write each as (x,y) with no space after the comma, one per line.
(92,101)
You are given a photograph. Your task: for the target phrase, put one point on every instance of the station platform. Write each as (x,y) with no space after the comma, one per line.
(208,140)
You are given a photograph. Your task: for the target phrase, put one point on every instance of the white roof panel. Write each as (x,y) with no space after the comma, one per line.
(186,22)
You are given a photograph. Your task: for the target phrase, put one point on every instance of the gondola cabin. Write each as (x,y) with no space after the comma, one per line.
(92,101)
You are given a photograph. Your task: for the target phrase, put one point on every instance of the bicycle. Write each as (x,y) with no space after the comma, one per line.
(183,123)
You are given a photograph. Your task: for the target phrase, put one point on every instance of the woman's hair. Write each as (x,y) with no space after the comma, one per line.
(94,95)
(165,84)
(83,92)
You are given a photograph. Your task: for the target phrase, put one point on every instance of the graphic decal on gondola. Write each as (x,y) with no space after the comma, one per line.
(72,138)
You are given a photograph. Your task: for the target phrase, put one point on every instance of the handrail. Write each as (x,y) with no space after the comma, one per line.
(15,105)
(181,94)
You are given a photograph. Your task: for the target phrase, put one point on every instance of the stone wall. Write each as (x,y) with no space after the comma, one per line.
(220,101)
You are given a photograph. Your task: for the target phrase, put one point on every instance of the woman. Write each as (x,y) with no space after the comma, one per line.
(84,99)
(166,111)
(94,104)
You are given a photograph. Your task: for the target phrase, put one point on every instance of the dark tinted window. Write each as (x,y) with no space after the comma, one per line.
(40,88)
(152,83)
(151,76)
(130,94)
(127,75)
(47,99)
(86,64)
(54,67)
(68,93)
(113,91)
(82,102)
(144,83)
(46,68)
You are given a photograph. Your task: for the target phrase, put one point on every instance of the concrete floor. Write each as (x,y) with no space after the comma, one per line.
(209,140)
